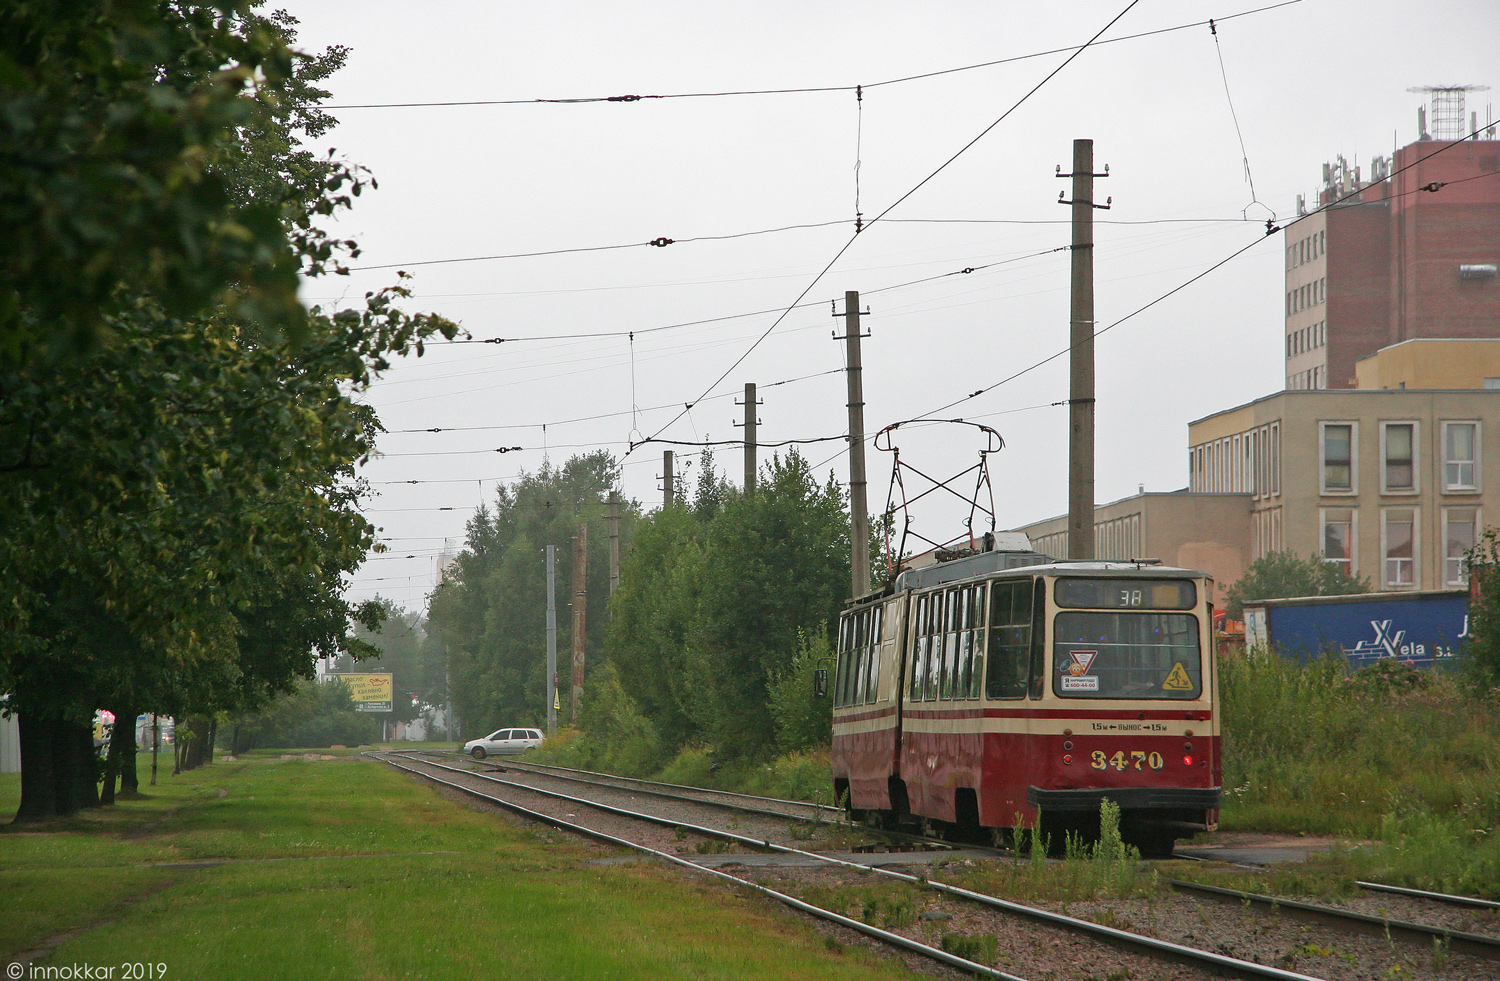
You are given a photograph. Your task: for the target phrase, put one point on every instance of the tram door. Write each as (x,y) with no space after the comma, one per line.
(1014,679)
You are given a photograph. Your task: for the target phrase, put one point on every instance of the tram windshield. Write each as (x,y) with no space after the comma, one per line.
(1126,655)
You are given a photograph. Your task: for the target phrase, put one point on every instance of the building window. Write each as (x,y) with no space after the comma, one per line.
(1459,527)
(1275,459)
(1460,456)
(1338,457)
(1398,544)
(1338,538)
(1397,452)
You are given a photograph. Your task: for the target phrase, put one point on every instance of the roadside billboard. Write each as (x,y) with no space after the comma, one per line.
(1424,628)
(372,692)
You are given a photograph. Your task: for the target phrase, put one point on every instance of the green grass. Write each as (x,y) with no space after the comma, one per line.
(1416,769)
(347,869)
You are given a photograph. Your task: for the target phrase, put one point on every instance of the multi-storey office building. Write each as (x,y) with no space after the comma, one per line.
(1394,484)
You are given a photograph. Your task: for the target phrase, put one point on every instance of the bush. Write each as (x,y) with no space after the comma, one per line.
(803,721)
(314,716)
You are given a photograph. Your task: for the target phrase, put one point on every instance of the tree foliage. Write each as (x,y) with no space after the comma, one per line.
(1482,657)
(719,595)
(136,148)
(489,612)
(312,715)
(181,498)
(1277,575)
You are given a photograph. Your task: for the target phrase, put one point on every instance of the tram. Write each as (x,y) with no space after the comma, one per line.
(987,695)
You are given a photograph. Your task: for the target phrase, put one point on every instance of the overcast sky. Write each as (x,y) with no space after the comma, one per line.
(1306,81)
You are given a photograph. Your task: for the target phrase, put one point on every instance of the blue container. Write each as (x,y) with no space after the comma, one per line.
(1423,629)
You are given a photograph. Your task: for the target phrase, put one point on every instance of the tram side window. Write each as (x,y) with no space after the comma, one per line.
(975,671)
(918,667)
(952,612)
(1010,639)
(872,658)
(935,651)
(960,620)
(845,668)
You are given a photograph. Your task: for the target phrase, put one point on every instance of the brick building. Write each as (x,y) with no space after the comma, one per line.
(1410,253)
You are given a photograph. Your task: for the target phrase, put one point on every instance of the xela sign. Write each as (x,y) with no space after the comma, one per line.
(372,692)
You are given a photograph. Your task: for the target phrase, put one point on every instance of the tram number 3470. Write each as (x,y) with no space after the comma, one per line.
(1138,760)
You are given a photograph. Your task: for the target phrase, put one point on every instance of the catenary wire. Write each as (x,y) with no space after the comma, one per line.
(800,90)
(941,167)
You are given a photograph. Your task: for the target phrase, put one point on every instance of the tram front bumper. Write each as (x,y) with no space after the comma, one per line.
(1127,798)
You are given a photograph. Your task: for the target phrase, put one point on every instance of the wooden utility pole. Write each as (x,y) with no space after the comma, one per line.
(1081,346)
(859,517)
(551,640)
(580,621)
(668,496)
(750,422)
(614,541)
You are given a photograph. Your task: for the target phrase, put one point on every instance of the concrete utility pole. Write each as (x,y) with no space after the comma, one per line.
(551,640)
(1081,345)
(668,497)
(580,601)
(859,516)
(750,422)
(614,541)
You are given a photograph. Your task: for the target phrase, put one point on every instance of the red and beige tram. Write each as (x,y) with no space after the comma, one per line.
(987,697)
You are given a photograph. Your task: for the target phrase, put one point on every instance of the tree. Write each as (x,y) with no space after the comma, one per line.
(181,501)
(1276,575)
(1482,658)
(116,121)
(775,564)
(718,596)
(490,610)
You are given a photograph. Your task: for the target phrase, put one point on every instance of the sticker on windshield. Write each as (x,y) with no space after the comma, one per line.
(1080,662)
(1177,679)
(1088,682)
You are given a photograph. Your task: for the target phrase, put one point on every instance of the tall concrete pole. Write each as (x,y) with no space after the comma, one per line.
(1081,341)
(580,622)
(551,640)
(859,517)
(668,494)
(614,541)
(750,422)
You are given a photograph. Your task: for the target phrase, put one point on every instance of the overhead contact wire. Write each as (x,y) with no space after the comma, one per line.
(920,184)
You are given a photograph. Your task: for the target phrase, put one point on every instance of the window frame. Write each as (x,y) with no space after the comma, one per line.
(1324,520)
(1476,523)
(1387,582)
(1476,482)
(1415,488)
(1323,488)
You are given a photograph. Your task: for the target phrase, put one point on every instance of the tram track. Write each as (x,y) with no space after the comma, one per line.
(748,804)
(1448,931)
(1201,962)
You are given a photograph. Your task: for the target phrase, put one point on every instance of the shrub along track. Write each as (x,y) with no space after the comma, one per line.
(1029,939)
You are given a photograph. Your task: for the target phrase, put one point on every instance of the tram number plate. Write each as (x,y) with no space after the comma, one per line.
(1135,760)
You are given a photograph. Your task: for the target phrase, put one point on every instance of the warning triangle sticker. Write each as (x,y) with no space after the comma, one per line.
(1177,679)
(1082,661)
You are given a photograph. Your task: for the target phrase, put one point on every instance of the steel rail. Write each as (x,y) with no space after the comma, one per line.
(679,786)
(1459,941)
(541,772)
(1110,935)
(885,936)
(536,768)
(1437,897)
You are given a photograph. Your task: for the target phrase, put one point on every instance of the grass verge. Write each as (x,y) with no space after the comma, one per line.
(346,869)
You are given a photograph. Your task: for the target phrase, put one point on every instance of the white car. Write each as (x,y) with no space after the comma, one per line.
(504,742)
